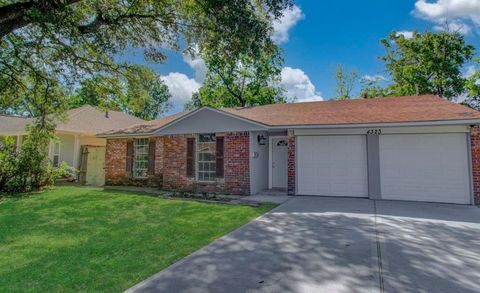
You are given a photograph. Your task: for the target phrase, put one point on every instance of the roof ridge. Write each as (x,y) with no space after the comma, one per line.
(332,100)
(80,110)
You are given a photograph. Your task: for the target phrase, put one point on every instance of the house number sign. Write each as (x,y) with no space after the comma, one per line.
(374,131)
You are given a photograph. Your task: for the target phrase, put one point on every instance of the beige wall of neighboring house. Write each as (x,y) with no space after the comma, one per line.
(70,147)
(77,131)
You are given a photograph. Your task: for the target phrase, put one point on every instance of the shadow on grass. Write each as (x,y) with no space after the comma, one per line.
(71,239)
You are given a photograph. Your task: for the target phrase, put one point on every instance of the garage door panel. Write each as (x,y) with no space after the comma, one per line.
(425,167)
(332,165)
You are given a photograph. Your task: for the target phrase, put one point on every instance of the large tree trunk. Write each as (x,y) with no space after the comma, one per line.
(15,16)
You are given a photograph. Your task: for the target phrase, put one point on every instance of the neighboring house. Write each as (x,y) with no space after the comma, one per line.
(77,144)
(421,148)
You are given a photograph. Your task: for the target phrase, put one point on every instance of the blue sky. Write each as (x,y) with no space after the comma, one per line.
(316,36)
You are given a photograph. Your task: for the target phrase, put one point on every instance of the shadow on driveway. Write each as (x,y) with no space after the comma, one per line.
(314,244)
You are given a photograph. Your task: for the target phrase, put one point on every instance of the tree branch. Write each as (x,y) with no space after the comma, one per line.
(15,16)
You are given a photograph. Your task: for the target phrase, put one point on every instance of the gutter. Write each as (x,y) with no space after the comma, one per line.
(324,126)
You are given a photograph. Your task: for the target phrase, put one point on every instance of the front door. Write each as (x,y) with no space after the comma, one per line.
(279,162)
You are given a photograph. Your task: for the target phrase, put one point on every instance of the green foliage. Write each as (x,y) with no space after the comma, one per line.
(29,168)
(138,91)
(194,103)
(72,239)
(371,88)
(345,82)
(245,80)
(473,82)
(428,63)
(59,43)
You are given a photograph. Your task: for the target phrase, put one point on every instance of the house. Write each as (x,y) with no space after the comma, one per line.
(417,148)
(77,144)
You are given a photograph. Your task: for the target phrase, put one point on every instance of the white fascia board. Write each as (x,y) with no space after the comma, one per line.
(373,125)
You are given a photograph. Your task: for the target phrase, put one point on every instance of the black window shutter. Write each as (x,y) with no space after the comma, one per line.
(190,157)
(129,158)
(219,157)
(151,157)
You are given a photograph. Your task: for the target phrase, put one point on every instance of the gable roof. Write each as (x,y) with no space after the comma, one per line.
(85,119)
(147,127)
(426,108)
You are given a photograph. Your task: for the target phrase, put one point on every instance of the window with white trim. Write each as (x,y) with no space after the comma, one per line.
(56,154)
(140,158)
(206,170)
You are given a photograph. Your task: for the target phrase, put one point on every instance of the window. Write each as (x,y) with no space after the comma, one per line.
(206,157)
(56,154)
(140,158)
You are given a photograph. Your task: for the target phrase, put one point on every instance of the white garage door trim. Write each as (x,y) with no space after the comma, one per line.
(425,167)
(332,165)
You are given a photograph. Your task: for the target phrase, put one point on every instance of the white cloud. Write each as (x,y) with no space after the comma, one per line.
(376,77)
(459,14)
(288,20)
(181,87)
(198,65)
(298,85)
(406,34)
(454,26)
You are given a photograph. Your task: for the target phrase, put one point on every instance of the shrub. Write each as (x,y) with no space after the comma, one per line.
(29,168)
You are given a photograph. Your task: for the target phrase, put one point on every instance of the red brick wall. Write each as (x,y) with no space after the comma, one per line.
(236,159)
(237,162)
(175,163)
(171,164)
(116,160)
(291,163)
(475,145)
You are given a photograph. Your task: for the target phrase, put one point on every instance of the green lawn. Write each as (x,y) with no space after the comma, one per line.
(87,239)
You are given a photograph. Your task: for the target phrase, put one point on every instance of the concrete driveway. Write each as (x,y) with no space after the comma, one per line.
(314,244)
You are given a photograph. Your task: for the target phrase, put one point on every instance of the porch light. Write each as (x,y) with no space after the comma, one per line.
(261,139)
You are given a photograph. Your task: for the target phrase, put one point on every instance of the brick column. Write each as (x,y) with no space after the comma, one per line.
(291,163)
(475,147)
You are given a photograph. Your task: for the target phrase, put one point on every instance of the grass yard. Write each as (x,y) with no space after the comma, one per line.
(86,239)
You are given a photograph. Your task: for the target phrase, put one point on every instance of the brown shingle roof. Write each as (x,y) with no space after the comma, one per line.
(147,127)
(13,124)
(89,119)
(85,119)
(425,108)
(360,111)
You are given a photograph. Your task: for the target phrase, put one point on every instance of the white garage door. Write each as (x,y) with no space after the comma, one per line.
(425,167)
(332,165)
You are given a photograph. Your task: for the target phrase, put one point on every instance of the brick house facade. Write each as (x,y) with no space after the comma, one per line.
(171,165)
(381,149)
(475,149)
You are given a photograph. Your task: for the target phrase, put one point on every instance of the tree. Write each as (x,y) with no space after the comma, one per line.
(62,42)
(194,103)
(345,82)
(139,92)
(371,88)
(473,82)
(243,80)
(428,63)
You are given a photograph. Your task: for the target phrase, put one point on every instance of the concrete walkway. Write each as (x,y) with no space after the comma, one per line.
(313,244)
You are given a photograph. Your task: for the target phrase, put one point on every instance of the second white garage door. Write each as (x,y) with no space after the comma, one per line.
(425,167)
(332,165)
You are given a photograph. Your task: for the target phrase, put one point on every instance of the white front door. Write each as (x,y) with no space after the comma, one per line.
(279,162)
(332,165)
